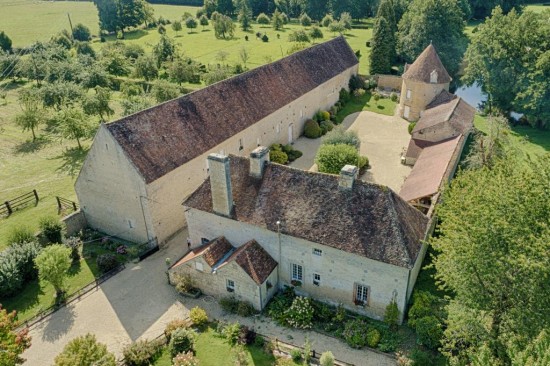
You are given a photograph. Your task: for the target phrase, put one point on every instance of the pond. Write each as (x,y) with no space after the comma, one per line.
(474,96)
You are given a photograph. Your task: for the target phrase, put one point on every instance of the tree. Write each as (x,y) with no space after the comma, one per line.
(95,75)
(433,21)
(98,103)
(146,68)
(164,50)
(134,104)
(299,36)
(203,21)
(225,7)
(32,114)
(85,351)
(261,6)
(61,93)
(164,90)
(176,26)
(5,42)
(327,19)
(183,70)
(117,15)
(345,18)
(277,20)
(293,8)
(191,23)
(489,148)
(262,19)
(81,33)
(53,262)
(73,123)
(511,63)
(244,55)
(245,16)
(305,20)
(483,8)
(336,27)
(315,33)
(224,27)
(316,8)
(492,255)
(332,158)
(12,342)
(383,51)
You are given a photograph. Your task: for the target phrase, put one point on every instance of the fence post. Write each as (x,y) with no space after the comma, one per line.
(74,205)
(8,207)
(58,203)
(35,195)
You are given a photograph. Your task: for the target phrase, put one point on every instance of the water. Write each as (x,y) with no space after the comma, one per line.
(474,96)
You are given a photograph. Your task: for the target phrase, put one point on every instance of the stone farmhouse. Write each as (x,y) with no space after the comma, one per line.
(141,167)
(256,227)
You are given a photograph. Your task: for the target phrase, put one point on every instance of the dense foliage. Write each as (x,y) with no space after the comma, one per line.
(332,158)
(141,353)
(85,351)
(181,341)
(17,267)
(12,343)
(53,263)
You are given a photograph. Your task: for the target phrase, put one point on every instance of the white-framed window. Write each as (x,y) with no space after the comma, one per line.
(317,252)
(409,93)
(433,77)
(297,272)
(361,296)
(230,285)
(198,266)
(316,279)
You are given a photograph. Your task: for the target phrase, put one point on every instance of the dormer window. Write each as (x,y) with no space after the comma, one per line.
(433,77)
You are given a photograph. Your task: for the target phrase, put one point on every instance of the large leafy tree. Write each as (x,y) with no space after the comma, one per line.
(261,6)
(225,7)
(245,16)
(383,47)
(85,351)
(483,8)
(316,9)
(117,15)
(439,22)
(494,256)
(53,262)
(32,112)
(5,42)
(73,123)
(510,57)
(12,343)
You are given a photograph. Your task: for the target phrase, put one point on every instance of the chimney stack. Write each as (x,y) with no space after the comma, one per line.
(220,184)
(347,176)
(258,158)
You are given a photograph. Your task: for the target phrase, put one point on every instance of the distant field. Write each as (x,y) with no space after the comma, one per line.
(539,8)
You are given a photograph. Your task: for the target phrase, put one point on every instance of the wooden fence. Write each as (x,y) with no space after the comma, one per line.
(8,207)
(64,204)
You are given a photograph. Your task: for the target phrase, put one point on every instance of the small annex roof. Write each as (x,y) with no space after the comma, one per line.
(369,220)
(426,63)
(162,138)
(456,112)
(416,146)
(254,260)
(216,250)
(430,170)
(441,98)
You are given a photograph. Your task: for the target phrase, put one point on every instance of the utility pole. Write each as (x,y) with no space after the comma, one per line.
(71,24)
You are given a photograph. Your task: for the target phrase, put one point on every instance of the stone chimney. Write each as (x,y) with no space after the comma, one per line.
(347,176)
(220,183)
(258,158)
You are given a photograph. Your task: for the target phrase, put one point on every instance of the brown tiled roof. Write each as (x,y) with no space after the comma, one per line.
(459,114)
(424,65)
(160,139)
(216,250)
(194,253)
(416,146)
(255,261)
(441,98)
(370,220)
(430,169)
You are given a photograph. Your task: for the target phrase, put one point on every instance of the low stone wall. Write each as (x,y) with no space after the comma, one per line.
(389,82)
(75,222)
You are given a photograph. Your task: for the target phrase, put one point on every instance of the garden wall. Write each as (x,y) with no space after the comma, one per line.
(75,222)
(389,82)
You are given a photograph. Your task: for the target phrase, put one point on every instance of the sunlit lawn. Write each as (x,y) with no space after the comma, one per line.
(366,103)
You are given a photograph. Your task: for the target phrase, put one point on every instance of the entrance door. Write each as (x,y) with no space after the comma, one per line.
(290,133)
(407,112)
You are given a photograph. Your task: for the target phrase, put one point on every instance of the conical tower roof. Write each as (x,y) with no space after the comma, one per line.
(425,65)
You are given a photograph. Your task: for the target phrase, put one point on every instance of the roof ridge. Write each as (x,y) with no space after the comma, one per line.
(452,110)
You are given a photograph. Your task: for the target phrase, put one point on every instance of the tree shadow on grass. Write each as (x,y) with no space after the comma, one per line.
(534,136)
(26,299)
(30,146)
(72,160)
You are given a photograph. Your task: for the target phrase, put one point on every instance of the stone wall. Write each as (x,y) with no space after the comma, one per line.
(74,222)
(389,82)
(339,270)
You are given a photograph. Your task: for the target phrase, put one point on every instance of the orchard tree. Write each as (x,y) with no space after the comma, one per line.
(117,15)
(85,351)
(203,21)
(383,47)
(263,19)
(345,18)
(245,16)
(5,42)
(225,7)
(164,50)
(164,90)
(32,113)
(146,68)
(483,8)
(182,70)
(433,21)
(12,342)
(305,20)
(337,27)
(315,33)
(224,27)
(81,33)
(73,123)
(98,103)
(176,26)
(191,23)
(277,20)
(493,245)
(53,263)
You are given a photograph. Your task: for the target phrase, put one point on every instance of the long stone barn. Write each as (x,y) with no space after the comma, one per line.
(141,167)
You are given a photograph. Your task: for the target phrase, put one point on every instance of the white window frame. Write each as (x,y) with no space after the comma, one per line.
(409,94)
(230,285)
(317,279)
(296,272)
(318,252)
(199,267)
(361,294)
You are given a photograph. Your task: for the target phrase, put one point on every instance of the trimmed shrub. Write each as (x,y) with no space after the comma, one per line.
(293,155)
(17,266)
(332,158)
(181,341)
(355,333)
(411,127)
(52,229)
(305,20)
(265,38)
(376,96)
(85,350)
(141,353)
(344,96)
(341,136)
(327,359)
(198,316)
(312,129)
(358,93)
(174,325)
(373,338)
(20,235)
(106,262)
(429,331)
(185,359)
(325,22)
(356,82)
(231,333)
(278,157)
(391,316)
(263,19)
(394,97)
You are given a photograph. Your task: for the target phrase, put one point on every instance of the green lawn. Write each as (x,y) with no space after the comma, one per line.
(366,103)
(212,350)
(538,8)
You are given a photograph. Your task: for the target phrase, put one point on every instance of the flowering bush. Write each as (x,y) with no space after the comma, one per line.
(107,262)
(359,92)
(182,340)
(300,313)
(121,249)
(355,333)
(185,359)
(174,325)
